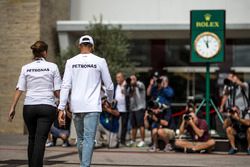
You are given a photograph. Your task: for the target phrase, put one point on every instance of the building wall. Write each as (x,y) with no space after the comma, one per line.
(51,11)
(22,23)
(167,11)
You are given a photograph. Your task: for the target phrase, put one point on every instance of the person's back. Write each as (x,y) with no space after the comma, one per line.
(40,83)
(86,73)
(41,80)
(83,78)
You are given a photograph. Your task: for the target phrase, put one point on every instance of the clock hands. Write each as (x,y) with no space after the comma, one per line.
(207,43)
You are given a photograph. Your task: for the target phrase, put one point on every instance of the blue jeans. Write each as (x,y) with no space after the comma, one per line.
(86,125)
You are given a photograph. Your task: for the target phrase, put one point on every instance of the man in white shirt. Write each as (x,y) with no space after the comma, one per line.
(83,78)
(122,105)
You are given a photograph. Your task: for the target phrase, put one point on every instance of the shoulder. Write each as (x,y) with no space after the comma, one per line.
(28,66)
(97,58)
(53,65)
(169,88)
(140,83)
(73,59)
(246,85)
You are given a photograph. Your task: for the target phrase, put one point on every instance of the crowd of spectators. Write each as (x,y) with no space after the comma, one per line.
(148,110)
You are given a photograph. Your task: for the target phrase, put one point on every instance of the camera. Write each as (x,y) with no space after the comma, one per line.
(158,80)
(154,105)
(228,82)
(150,112)
(114,104)
(186,117)
(128,81)
(230,110)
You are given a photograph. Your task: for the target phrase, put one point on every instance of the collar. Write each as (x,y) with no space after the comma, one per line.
(40,59)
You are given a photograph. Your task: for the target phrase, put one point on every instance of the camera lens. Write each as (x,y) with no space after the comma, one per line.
(186,117)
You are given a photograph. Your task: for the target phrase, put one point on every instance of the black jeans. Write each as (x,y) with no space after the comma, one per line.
(124,124)
(38,119)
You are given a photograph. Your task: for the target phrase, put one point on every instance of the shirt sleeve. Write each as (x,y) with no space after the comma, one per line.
(203,125)
(21,85)
(141,86)
(107,80)
(169,92)
(66,86)
(57,79)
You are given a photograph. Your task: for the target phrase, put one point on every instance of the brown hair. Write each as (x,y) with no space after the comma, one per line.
(38,47)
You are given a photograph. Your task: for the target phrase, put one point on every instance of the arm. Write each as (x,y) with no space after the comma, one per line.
(243,85)
(182,127)
(21,86)
(168,92)
(236,117)
(57,82)
(197,131)
(244,122)
(12,112)
(107,81)
(107,108)
(160,121)
(65,88)
(223,102)
(141,86)
(150,86)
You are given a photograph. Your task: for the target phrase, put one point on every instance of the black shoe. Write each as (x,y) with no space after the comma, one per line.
(232,151)
(248,151)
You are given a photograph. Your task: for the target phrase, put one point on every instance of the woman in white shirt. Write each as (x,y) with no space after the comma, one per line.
(41,81)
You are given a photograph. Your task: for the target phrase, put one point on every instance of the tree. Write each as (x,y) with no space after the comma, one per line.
(111,43)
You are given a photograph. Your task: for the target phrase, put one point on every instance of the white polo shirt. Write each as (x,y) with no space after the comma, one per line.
(120,97)
(39,79)
(83,78)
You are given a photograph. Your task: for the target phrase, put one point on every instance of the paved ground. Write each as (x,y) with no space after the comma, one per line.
(13,154)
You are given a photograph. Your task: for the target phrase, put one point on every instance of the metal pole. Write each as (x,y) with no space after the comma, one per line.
(208,94)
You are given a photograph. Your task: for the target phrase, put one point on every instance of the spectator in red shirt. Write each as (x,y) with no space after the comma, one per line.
(198,130)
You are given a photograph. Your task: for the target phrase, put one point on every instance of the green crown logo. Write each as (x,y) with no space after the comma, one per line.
(207,16)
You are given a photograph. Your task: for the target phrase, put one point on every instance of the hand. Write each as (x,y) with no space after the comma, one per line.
(61,118)
(146,115)
(152,81)
(235,116)
(12,113)
(154,118)
(221,109)
(190,122)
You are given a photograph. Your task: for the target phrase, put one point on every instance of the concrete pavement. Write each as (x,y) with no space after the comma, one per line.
(13,154)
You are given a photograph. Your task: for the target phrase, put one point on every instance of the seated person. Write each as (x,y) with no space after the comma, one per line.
(198,130)
(237,127)
(109,126)
(162,125)
(60,131)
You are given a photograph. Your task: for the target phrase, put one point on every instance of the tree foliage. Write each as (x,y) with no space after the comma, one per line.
(111,43)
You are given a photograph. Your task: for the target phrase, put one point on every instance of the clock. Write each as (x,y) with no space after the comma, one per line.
(207,45)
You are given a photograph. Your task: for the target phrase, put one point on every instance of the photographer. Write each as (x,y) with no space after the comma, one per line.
(160,90)
(235,92)
(237,127)
(109,125)
(159,117)
(198,130)
(137,105)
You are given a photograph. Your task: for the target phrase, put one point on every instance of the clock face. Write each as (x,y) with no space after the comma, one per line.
(207,45)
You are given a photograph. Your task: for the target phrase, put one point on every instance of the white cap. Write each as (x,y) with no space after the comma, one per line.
(86,39)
